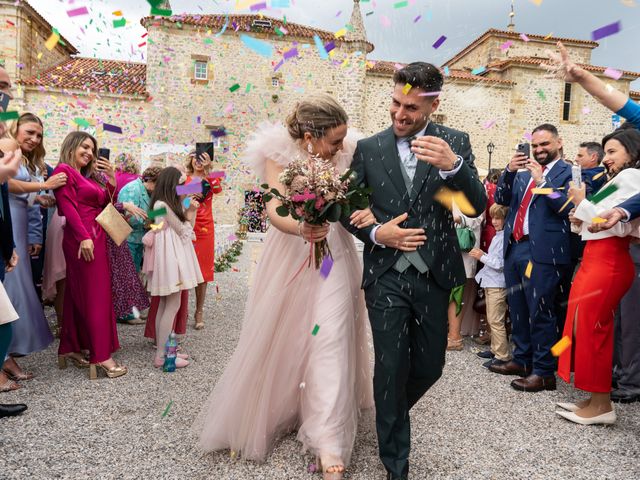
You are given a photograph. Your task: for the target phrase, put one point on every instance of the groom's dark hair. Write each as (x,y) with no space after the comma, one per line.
(420,75)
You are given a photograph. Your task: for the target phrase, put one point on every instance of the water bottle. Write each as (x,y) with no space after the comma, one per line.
(576,175)
(170,353)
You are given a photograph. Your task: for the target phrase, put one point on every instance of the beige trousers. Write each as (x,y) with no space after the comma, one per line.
(496,299)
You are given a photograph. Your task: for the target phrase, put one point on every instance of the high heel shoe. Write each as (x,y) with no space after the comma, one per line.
(113,372)
(78,362)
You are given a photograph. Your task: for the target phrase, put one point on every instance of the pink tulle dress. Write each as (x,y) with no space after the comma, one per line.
(281,377)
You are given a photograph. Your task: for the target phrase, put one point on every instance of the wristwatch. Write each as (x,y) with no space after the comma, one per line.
(457,163)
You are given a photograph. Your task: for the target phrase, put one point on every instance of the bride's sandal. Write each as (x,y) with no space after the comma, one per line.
(455,345)
(334,472)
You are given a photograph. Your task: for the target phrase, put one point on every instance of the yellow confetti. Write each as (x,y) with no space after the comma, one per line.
(598,220)
(117,13)
(52,41)
(542,191)
(597,175)
(527,271)
(561,346)
(569,200)
(407,88)
(445,197)
(39,55)
(341,33)
(549,35)
(156,226)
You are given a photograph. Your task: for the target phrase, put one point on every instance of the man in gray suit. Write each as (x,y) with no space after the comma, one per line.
(412,259)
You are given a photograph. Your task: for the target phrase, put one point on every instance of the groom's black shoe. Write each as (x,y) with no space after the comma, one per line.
(391,477)
(12,410)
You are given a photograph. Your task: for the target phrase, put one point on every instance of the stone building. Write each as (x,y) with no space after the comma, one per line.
(201,81)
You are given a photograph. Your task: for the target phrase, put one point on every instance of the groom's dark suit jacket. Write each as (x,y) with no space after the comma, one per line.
(377,165)
(6,231)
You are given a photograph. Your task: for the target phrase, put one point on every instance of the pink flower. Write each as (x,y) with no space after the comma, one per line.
(319,203)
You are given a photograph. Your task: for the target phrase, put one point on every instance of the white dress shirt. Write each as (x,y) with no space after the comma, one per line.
(492,274)
(525,227)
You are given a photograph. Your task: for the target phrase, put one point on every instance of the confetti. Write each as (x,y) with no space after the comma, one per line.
(327,265)
(235,87)
(407,88)
(156,226)
(402,4)
(76,12)
(191,188)
(541,94)
(445,197)
(160,212)
(603,193)
(554,195)
(218,174)
(111,128)
(606,31)
(489,123)
(52,41)
(260,47)
(120,22)
(315,330)
(320,47)
(597,220)
(258,6)
(439,42)
(569,200)
(4,116)
(560,346)
(527,271)
(506,45)
(166,410)
(613,73)
(478,70)
(542,191)
(598,175)
(524,37)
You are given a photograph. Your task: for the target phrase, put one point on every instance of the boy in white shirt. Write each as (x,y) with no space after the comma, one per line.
(491,279)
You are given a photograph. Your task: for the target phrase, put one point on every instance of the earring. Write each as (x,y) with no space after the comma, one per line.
(310,148)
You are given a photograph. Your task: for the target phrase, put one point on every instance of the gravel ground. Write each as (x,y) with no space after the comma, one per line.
(471,425)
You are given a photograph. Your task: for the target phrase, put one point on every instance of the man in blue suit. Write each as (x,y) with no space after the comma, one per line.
(537,256)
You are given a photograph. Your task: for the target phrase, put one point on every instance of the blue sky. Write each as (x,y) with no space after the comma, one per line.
(394,31)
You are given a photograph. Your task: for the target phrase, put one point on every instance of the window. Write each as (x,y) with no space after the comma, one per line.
(201,70)
(275,82)
(566,103)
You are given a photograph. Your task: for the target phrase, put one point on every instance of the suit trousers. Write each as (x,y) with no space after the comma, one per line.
(532,308)
(626,353)
(496,300)
(408,315)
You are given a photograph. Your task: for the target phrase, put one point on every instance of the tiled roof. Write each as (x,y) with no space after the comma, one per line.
(634,95)
(503,64)
(516,35)
(124,78)
(389,68)
(243,22)
(32,12)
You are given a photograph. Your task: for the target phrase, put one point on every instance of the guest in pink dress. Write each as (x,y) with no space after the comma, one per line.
(170,261)
(89,321)
(302,362)
(127,170)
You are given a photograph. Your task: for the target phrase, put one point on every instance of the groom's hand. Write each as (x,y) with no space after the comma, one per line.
(406,239)
(435,151)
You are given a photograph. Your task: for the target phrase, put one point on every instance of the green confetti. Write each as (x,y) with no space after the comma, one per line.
(248,89)
(161,12)
(4,116)
(81,122)
(161,212)
(541,94)
(315,330)
(120,22)
(235,87)
(279,32)
(603,193)
(405,3)
(166,410)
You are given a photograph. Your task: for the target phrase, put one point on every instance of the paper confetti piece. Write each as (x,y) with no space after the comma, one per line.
(120,22)
(401,4)
(52,41)
(554,195)
(111,128)
(320,47)
(541,94)
(160,212)
(218,174)
(446,196)
(603,193)
(407,88)
(524,37)
(598,220)
(598,175)
(258,6)
(569,200)
(506,45)
(613,73)
(191,188)
(446,71)
(157,226)
(161,12)
(76,12)
(4,116)
(478,70)
(560,346)
(235,87)
(260,47)
(327,265)
(186,203)
(117,13)
(527,271)
(291,53)
(385,21)
(489,123)
(166,410)
(340,33)
(315,330)
(280,3)
(81,122)
(542,191)
(606,31)
(439,42)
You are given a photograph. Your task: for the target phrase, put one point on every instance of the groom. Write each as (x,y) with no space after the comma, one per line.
(412,260)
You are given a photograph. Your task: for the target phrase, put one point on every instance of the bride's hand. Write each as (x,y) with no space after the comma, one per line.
(362,218)
(314,233)
(562,67)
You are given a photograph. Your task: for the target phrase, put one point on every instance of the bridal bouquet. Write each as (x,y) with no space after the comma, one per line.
(316,193)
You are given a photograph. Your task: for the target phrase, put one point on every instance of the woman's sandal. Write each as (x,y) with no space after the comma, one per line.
(198,318)
(18,376)
(334,472)
(455,345)
(9,386)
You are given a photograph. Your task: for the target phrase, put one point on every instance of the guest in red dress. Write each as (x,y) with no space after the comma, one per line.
(89,322)
(204,228)
(605,274)
(488,230)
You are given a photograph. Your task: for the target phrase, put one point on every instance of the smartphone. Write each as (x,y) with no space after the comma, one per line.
(525,149)
(104,152)
(576,175)
(206,147)
(4,102)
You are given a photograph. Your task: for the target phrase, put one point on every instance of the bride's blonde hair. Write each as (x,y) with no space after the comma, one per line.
(315,114)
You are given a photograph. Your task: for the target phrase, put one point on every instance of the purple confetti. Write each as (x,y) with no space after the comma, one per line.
(214,175)
(111,128)
(258,6)
(329,46)
(193,187)
(554,195)
(439,42)
(277,67)
(605,31)
(218,133)
(327,265)
(291,53)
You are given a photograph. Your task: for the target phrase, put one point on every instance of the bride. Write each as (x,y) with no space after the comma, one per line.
(282,376)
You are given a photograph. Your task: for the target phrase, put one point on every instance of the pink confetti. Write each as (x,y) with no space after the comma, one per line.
(229,108)
(384,20)
(506,45)
(214,175)
(76,12)
(613,73)
(489,123)
(524,37)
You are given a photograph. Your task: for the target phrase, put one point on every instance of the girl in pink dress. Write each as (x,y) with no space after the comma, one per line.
(89,322)
(282,376)
(170,260)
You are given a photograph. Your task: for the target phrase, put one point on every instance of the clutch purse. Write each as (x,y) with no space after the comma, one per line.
(113,223)
(466,238)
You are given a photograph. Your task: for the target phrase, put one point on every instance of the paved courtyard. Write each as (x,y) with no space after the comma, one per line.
(471,425)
